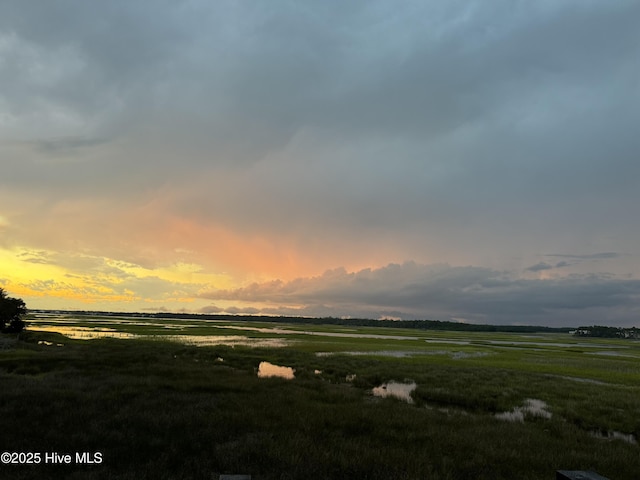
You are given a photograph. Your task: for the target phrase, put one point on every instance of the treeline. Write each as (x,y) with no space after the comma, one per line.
(357,322)
(608,332)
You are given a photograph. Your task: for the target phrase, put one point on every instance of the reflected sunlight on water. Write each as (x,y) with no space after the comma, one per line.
(230,340)
(86,333)
(89,333)
(266,369)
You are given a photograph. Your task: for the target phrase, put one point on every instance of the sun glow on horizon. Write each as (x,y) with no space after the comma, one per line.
(45,277)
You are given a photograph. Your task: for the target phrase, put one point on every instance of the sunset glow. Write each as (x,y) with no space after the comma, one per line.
(467,164)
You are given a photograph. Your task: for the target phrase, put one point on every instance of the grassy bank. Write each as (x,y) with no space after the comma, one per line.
(162,410)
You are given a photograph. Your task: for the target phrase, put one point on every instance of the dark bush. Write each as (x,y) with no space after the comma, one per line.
(11,312)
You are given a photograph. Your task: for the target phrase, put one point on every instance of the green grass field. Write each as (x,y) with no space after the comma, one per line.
(155,406)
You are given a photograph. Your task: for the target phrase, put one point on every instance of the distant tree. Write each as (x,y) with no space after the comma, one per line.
(11,312)
(608,332)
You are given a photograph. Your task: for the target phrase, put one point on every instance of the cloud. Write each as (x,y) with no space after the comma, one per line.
(277,139)
(592,256)
(443,292)
(242,310)
(539,267)
(65,146)
(210,309)
(461,99)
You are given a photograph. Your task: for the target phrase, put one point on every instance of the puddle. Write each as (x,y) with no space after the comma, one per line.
(532,406)
(518,343)
(285,331)
(457,355)
(613,435)
(229,340)
(610,353)
(460,355)
(266,369)
(382,353)
(395,389)
(87,333)
(547,344)
(44,342)
(446,340)
(577,379)
(90,333)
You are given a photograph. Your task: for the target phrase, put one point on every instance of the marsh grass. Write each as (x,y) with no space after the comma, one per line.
(164,410)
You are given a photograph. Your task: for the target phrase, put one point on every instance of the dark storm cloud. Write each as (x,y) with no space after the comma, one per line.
(541,266)
(428,130)
(106,47)
(372,68)
(509,106)
(250,76)
(538,267)
(442,292)
(65,145)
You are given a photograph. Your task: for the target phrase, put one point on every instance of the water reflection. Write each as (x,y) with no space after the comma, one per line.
(289,331)
(230,340)
(89,333)
(395,389)
(44,342)
(611,353)
(457,355)
(86,333)
(532,406)
(613,435)
(379,353)
(266,369)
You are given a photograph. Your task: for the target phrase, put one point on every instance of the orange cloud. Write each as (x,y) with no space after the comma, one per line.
(138,250)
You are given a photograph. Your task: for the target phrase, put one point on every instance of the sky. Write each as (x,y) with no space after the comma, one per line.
(468,161)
